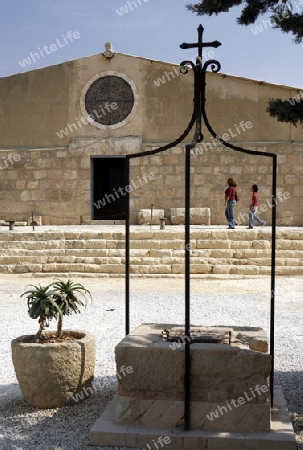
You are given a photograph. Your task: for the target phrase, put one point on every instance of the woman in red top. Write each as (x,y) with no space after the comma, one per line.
(231,198)
(254,207)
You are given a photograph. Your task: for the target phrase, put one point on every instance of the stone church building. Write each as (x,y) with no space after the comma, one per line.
(65,131)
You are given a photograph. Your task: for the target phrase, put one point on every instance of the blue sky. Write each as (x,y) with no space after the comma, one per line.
(154,29)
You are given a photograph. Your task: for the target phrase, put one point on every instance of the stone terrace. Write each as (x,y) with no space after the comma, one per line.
(99,250)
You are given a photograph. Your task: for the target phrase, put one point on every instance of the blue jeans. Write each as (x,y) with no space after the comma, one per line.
(253,216)
(229,213)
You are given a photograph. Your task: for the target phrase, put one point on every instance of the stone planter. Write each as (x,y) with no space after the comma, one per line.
(55,374)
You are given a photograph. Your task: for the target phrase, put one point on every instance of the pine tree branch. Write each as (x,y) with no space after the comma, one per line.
(292,24)
(290,111)
(285,14)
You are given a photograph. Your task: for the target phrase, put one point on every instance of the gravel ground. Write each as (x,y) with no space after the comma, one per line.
(218,301)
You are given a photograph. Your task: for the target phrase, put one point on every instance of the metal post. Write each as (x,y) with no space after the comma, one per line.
(273,275)
(187,292)
(33,223)
(11,224)
(162,223)
(127,248)
(151,215)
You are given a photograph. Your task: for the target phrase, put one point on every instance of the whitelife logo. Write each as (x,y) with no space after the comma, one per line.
(107,381)
(236,403)
(48,49)
(108,198)
(199,149)
(71,127)
(270,23)
(131,5)
(175,72)
(161,441)
(296,99)
(9,161)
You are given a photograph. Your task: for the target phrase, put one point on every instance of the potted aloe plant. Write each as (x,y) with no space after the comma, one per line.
(52,367)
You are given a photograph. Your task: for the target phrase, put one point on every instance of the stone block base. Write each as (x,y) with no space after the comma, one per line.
(280,437)
(198,216)
(229,381)
(204,415)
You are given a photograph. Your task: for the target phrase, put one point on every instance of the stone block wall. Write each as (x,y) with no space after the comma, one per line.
(55,182)
(210,169)
(52,183)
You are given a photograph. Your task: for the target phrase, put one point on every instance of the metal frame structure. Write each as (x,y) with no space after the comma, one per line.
(199,69)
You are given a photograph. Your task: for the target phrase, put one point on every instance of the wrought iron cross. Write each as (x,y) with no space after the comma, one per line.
(199,83)
(200,43)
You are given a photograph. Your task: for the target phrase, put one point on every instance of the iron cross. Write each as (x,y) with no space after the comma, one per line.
(200,43)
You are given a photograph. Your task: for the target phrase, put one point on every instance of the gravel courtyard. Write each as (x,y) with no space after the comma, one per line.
(224,301)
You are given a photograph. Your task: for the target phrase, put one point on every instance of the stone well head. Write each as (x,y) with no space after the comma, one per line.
(228,379)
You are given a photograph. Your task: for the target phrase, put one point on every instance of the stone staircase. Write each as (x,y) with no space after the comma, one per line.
(93,251)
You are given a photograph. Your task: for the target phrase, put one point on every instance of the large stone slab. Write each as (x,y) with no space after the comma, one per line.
(224,416)
(237,363)
(144,216)
(280,437)
(198,216)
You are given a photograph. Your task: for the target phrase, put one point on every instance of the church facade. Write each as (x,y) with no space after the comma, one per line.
(65,131)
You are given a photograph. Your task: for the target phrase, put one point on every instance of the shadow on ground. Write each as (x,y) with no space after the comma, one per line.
(23,427)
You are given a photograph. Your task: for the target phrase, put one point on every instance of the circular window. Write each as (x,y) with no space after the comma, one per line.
(109,100)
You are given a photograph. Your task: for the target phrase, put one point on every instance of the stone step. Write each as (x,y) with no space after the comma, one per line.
(63,268)
(212,257)
(145,263)
(152,252)
(151,244)
(23,250)
(144,271)
(146,234)
(60,260)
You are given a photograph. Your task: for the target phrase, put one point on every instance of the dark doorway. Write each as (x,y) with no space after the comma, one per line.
(108,187)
